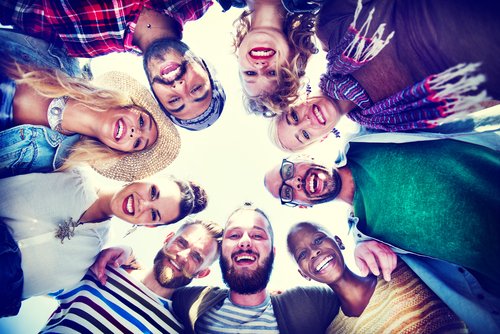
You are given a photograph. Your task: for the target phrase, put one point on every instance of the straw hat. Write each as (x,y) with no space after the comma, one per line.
(138,165)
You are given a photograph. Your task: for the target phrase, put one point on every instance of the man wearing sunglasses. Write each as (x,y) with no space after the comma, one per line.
(436,198)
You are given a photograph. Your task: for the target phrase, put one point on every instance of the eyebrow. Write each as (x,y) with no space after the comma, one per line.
(178,109)
(298,139)
(203,97)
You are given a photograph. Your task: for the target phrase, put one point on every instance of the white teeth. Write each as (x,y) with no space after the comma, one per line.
(323,263)
(312,183)
(170,76)
(175,265)
(120,130)
(262,53)
(245,257)
(130,205)
(318,114)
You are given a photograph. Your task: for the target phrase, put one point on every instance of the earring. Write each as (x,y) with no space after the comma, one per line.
(130,231)
(339,242)
(336,133)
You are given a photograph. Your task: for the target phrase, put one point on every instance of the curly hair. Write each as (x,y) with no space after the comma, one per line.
(53,83)
(299,28)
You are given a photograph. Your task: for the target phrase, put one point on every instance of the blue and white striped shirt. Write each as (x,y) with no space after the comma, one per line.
(231,318)
(123,305)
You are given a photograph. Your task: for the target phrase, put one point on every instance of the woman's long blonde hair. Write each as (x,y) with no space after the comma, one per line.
(299,28)
(53,83)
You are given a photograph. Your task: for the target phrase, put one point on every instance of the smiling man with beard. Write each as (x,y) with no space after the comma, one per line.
(246,261)
(111,300)
(437,198)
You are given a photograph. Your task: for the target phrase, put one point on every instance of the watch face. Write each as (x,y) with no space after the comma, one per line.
(56,111)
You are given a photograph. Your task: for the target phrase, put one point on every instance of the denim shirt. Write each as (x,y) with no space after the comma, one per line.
(39,53)
(31,148)
(456,286)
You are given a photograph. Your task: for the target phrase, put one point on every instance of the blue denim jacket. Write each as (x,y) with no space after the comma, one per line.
(31,148)
(37,52)
(456,286)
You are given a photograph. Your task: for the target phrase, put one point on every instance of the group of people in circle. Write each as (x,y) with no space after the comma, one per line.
(420,174)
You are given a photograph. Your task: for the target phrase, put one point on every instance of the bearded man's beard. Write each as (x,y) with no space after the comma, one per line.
(250,282)
(165,275)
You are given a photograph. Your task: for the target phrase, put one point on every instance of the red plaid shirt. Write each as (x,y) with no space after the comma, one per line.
(89,28)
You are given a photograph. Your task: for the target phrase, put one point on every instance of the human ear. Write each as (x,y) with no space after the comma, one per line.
(339,242)
(168,237)
(203,273)
(303,275)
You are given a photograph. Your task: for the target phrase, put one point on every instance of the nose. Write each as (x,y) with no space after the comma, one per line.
(135,132)
(261,64)
(245,241)
(179,85)
(315,253)
(144,204)
(183,255)
(295,182)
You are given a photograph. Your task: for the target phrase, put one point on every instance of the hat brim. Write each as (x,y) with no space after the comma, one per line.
(138,165)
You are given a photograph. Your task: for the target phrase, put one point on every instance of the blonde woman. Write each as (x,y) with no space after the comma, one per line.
(273,47)
(100,124)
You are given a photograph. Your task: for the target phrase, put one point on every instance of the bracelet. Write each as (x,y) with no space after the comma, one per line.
(55,113)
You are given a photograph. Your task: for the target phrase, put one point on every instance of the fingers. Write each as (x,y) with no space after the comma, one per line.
(375,257)
(111,256)
(363,268)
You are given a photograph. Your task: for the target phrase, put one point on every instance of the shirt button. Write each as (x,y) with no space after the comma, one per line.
(359,235)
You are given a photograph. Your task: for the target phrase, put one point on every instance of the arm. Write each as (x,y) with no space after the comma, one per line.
(113,256)
(373,256)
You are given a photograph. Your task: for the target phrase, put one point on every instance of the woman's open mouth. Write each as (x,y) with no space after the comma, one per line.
(262,53)
(119,129)
(128,206)
(318,114)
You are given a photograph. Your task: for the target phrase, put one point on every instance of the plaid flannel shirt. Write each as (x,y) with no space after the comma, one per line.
(89,28)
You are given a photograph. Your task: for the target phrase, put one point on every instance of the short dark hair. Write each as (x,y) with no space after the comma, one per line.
(299,225)
(251,207)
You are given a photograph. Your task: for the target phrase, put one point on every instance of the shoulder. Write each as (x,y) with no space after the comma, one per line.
(187,296)
(308,292)
(305,309)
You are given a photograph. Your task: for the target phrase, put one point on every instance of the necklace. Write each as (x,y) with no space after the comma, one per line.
(66,229)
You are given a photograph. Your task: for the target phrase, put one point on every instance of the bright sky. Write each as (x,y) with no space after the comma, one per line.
(228,159)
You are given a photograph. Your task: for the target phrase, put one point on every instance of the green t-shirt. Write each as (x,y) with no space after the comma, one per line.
(437,198)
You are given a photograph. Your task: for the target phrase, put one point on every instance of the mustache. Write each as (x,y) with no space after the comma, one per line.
(241,251)
(183,69)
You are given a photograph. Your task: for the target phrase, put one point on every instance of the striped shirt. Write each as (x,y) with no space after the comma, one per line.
(123,305)
(231,318)
(92,28)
